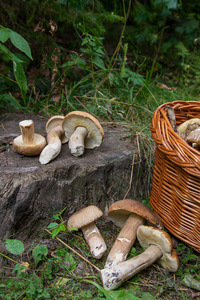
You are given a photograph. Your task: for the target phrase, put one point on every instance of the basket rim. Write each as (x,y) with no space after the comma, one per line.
(169,142)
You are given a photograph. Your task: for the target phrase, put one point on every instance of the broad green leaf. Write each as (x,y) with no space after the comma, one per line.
(55,231)
(52,225)
(20,43)
(14,246)
(4,35)
(11,56)
(98,62)
(13,101)
(39,253)
(20,78)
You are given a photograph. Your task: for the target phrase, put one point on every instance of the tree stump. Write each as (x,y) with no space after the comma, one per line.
(31,193)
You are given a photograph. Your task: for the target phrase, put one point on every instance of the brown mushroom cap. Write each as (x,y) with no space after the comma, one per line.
(30,150)
(54,122)
(148,236)
(84,217)
(76,119)
(182,127)
(121,210)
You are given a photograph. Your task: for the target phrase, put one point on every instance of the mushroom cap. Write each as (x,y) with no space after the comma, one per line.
(194,136)
(54,122)
(182,127)
(148,235)
(76,119)
(84,217)
(121,210)
(30,150)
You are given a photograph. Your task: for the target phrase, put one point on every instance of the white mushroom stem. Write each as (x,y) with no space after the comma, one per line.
(94,240)
(27,131)
(124,240)
(114,276)
(76,141)
(53,148)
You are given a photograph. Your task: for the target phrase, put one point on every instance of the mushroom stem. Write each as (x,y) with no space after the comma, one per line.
(76,141)
(114,276)
(94,240)
(27,130)
(53,148)
(124,240)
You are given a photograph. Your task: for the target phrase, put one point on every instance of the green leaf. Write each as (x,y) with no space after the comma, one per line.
(39,253)
(191,282)
(14,246)
(98,62)
(4,35)
(20,78)
(56,217)
(73,229)
(20,43)
(11,56)
(52,225)
(55,231)
(13,101)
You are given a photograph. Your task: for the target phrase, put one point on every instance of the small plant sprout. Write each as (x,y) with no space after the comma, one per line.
(129,215)
(158,247)
(55,138)
(28,143)
(83,131)
(84,220)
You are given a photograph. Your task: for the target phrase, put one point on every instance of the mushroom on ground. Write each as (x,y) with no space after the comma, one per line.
(129,215)
(182,127)
(28,143)
(84,220)
(55,137)
(83,131)
(158,247)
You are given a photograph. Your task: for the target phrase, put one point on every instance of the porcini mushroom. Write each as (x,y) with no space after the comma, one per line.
(182,127)
(83,131)
(194,138)
(28,143)
(129,215)
(84,220)
(158,247)
(55,137)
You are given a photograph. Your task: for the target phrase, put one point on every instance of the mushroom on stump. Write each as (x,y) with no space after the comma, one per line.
(158,247)
(129,215)
(84,220)
(55,137)
(28,143)
(83,131)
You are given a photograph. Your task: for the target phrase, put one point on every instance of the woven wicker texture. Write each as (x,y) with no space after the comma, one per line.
(175,194)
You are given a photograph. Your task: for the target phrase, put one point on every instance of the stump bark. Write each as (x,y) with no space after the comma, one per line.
(31,193)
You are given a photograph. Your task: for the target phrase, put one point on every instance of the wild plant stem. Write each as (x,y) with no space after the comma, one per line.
(74,251)
(8,258)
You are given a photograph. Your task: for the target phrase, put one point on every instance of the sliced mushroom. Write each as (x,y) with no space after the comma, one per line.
(158,247)
(55,137)
(128,214)
(83,131)
(84,220)
(28,143)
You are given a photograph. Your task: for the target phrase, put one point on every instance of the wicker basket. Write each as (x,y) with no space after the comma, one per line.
(175,194)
